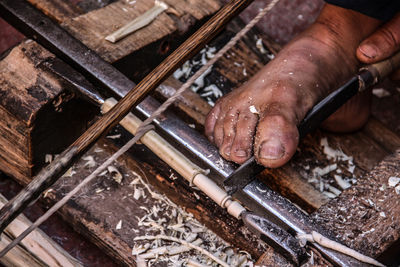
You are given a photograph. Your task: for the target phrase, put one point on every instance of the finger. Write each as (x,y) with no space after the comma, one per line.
(381,44)
(243,143)
(277,137)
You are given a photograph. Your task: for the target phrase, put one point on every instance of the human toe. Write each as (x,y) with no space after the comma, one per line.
(276,140)
(243,142)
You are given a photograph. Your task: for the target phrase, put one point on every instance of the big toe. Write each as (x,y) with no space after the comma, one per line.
(276,140)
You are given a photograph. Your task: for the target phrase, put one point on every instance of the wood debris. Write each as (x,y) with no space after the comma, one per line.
(139,22)
(209,92)
(116,175)
(332,175)
(380,92)
(173,236)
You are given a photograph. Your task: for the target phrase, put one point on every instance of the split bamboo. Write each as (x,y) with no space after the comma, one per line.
(38,249)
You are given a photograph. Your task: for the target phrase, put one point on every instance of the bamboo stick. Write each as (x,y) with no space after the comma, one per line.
(52,172)
(37,249)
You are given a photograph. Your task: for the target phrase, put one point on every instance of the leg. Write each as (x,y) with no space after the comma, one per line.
(306,70)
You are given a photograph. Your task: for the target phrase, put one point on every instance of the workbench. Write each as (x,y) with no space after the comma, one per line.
(354,217)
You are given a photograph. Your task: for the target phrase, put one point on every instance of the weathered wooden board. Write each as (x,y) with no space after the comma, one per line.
(366,217)
(56,9)
(93,27)
(37,112)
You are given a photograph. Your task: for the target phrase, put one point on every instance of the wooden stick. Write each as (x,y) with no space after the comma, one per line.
(37,250)
(52,172)
(326,242)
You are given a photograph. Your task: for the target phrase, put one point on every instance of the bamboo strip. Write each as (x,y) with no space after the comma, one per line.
(180,163)
(38,244)
(138,23)
(18,257)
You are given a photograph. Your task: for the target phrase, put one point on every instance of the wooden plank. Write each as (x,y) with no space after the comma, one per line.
(387,139)
(30,111)
(366,216)
(93,27)
(57,9)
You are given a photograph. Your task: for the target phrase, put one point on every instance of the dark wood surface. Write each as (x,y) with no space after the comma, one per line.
(36,109)
(366,217)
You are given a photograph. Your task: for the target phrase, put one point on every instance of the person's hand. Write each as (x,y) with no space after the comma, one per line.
(382,44)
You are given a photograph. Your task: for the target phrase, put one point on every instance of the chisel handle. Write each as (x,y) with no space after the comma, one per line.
(383,68)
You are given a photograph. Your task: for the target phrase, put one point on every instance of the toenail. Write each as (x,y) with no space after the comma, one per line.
(369,50)
(227,151)
(271,149)
(241,153)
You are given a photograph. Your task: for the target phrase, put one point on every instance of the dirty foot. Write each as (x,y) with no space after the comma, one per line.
(261,117)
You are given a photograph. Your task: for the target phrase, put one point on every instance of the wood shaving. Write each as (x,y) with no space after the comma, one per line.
(115,136)
(139,22)
(341,182)
(69,173)
(90,162)
(393,181)
(48,158)
(397,189)
(119,225)
(188,244)
(260,45)
(116,175)
(166,218)
(380,92)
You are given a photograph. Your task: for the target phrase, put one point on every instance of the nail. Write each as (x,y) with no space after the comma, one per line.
(227,152)
(271,149)
(241,153)
(369,50)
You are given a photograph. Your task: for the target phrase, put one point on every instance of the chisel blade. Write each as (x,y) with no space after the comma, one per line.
(281,240)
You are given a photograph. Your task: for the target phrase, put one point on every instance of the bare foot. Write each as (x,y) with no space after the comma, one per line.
(261,117)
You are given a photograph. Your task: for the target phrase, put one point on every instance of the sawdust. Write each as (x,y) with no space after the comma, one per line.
(169,220)
(332,174)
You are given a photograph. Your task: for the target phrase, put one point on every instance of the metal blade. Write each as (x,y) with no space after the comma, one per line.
(320,112)
(242,176)
(276,237)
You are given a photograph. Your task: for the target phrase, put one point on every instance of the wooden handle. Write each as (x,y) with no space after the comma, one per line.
(384,68)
